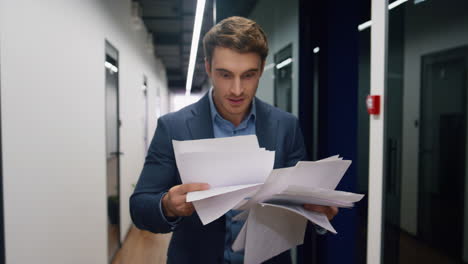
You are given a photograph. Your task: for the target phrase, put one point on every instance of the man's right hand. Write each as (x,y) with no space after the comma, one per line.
(174,201)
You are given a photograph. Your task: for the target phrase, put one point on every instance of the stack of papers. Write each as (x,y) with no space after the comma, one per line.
(234,167)
(241,176)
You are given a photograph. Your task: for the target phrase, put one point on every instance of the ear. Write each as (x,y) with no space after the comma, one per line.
(207,67)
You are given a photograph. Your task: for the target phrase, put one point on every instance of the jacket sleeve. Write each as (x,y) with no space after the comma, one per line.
(297,151)
(159,174)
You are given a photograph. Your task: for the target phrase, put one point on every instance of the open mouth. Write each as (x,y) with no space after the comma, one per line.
(236,101)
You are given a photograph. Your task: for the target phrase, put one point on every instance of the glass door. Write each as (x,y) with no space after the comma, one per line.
(442,150)
(424,159)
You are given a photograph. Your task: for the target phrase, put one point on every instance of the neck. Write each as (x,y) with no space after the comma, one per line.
(234,119)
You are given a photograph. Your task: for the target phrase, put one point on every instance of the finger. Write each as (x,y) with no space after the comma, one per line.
(334,211)
(187,209)
(190,207)
(192,187)
(180,199)
(331,212)
(316,208)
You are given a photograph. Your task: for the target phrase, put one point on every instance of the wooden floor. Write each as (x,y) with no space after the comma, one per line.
(143,247)
(414,251)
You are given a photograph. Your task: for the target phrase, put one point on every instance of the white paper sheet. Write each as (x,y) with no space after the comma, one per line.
(241,176)
(227,144)
(332,158)
(200,195)
(220,169)
(239,243)
(299,190)
(212,208)
(323,174)
(308,175)
(316,218)
(266,238)
(300,195)
(273,185)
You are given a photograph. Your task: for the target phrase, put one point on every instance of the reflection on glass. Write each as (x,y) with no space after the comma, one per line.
(426,178)
(283,78)
(112,149)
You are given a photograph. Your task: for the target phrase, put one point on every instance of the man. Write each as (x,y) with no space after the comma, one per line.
(235,53)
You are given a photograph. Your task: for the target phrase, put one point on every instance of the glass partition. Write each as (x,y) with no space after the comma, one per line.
(425,192)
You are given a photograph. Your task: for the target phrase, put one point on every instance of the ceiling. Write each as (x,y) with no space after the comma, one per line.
(171,24)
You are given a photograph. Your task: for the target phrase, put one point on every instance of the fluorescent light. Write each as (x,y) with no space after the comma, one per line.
(111,67)
(283,63)
(391,6)
(194,49)
(269,66)
(395,4)
(316,50)
(365,25)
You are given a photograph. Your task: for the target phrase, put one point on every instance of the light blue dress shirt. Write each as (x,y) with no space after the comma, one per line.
(224,128)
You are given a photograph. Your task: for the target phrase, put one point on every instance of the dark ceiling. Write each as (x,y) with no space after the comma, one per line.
(171,23)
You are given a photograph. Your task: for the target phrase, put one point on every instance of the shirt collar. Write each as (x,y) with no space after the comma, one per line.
(214,111)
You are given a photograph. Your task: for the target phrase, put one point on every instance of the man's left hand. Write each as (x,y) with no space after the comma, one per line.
(329,211)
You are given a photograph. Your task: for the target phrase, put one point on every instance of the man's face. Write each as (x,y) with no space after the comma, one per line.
(235,78)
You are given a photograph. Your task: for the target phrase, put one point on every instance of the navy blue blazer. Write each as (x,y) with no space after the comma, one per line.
(191,241)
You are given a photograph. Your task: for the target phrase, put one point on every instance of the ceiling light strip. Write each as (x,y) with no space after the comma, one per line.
(391,6)
(111,66)
(365,25)
(283,63)
(194,49)
(395,4)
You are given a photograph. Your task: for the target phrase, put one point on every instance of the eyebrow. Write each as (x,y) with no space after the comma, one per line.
(227,71)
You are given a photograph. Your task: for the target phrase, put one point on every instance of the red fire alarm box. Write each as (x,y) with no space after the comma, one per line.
(373,104)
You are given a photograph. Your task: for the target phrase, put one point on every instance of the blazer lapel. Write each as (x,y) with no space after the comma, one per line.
(200,125)
(265,126)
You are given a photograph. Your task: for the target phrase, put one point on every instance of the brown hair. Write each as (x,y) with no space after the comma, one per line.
(238,33)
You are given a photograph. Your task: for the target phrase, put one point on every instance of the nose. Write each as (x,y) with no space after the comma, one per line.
(236,88)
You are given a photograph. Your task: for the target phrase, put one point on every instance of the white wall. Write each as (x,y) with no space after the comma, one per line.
(178,101)
(280,21)
(429,27)
(53,124)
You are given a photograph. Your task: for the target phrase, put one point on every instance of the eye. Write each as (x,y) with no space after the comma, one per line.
(225,75)
(249,75)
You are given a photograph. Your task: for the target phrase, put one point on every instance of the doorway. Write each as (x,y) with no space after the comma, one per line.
(442,150)
(111,66)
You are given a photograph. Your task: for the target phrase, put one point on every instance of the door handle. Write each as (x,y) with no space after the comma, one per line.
(115,153)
